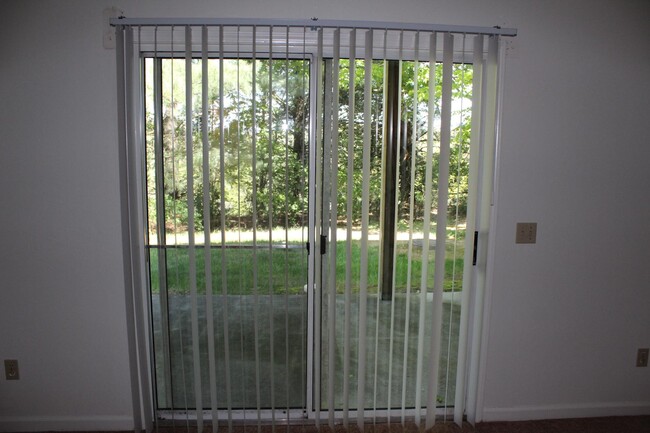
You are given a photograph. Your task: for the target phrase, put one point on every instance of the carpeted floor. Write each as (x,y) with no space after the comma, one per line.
(626,424)
(630,424)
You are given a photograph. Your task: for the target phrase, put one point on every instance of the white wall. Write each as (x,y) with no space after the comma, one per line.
(62,311)
(568,313)
(565,315)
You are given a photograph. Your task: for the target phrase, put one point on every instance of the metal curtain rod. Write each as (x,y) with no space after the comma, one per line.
(312,23)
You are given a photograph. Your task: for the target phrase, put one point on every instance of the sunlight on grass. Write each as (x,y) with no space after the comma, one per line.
(282,269)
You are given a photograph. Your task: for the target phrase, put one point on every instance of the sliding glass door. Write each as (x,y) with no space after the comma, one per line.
(312,200)
(227,230)
(395,152)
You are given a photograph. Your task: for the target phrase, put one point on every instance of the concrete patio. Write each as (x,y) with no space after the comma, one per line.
(283,370)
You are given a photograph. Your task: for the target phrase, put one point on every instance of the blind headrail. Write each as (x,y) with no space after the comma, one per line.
(313,23)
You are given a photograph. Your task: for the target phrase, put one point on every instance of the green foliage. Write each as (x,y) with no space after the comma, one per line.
(257,123)
(249,173)
(263,149)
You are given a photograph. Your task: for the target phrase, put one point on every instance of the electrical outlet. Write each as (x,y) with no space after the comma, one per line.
(642,357)
(526,233)
(11,369)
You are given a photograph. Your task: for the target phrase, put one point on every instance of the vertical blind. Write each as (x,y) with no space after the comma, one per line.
(307,210)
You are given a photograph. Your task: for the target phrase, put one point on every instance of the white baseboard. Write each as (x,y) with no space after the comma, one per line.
(65,423)
(586,410)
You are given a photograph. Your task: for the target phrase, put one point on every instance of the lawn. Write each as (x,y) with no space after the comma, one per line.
(283,270)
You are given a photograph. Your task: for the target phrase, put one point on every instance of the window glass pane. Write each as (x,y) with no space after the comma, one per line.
(259,274)
(384,361)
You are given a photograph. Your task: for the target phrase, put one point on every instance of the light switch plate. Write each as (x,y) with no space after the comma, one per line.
(526,233)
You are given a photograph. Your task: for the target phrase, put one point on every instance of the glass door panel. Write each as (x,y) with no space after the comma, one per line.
(252,204)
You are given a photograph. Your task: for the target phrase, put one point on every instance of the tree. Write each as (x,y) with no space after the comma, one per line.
(264,107)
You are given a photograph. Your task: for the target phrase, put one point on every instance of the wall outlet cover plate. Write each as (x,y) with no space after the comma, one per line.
(642,357)
(11,369)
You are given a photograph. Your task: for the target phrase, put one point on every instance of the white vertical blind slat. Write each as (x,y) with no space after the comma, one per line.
(456,207)
(488,142)
(407,314)
(160,221)
(207,252)
(286,228)
(331,304)
(441,224)
(189,146)
(468,270)
(326,218)
(349,218)
(380,113)
(317,293)
(258,395)
(305,223)
(140,215)
(127,72)
(175,225)
(312,229)
(365,195)
(426,228)
(398,145)
(242,297)
(222,207)
(270,228)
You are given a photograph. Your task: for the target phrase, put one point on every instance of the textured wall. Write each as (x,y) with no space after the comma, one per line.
(566,315)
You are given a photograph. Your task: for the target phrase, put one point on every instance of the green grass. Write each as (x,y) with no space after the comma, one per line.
(284,271)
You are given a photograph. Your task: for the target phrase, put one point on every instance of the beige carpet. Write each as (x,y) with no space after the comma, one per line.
(629,424)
